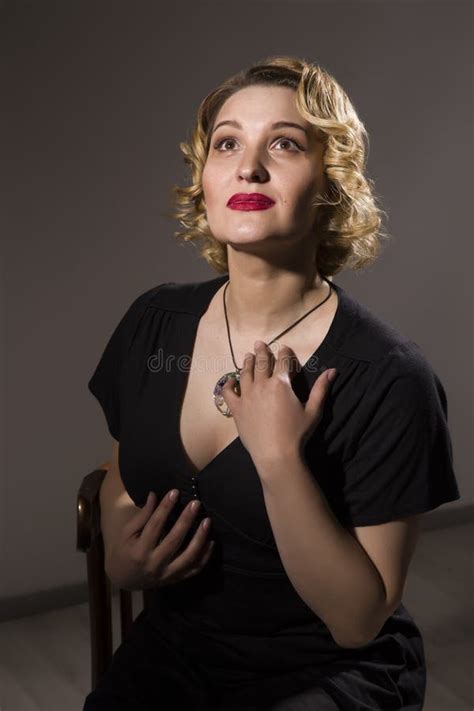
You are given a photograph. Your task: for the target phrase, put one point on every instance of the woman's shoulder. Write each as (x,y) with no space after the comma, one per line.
(368,336)
(182,297)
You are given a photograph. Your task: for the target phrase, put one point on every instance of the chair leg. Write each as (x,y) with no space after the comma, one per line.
(148,596)
(100,611)
(126,612)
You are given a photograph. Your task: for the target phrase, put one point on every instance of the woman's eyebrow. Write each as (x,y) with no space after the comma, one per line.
(278,124)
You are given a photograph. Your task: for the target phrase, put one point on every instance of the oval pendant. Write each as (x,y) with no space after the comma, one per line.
(218,399)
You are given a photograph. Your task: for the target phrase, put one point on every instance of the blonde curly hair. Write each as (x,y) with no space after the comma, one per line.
(348,228)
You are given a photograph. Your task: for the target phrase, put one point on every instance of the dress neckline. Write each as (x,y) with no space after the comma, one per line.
(202,297)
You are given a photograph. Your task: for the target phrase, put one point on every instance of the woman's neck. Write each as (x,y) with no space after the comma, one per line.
(267,303)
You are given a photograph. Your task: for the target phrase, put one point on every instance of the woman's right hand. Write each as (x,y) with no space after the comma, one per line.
(142,559)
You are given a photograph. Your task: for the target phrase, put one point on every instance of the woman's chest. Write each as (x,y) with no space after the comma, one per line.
(173,436)
(203,431)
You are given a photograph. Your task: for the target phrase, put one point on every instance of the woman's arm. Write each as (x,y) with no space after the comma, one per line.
(353,580)
(116,506)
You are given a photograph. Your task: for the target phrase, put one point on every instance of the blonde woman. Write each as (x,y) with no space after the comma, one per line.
(224,393)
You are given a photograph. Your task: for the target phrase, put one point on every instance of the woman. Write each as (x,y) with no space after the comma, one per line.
(313,486)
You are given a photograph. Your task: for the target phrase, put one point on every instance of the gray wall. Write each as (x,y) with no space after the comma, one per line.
(99,94)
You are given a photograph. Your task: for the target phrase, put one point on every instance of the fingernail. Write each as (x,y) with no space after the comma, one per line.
(206,523)
(331,374)
(174,494)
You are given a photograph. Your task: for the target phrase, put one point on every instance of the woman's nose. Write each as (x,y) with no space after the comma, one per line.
(253,171)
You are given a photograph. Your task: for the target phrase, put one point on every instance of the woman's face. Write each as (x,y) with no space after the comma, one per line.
(283,163)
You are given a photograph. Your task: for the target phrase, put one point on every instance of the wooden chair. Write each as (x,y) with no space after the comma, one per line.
(89,541)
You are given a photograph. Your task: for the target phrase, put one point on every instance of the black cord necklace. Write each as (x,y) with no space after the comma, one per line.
(217,394)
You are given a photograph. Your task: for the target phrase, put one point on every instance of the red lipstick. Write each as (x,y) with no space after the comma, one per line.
(250,201)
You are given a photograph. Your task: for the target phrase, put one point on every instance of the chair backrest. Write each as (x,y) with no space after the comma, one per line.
(90,541)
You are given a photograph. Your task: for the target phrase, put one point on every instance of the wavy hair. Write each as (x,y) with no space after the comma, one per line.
(348,226)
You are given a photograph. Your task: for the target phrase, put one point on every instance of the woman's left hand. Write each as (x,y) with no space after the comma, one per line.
(270,418)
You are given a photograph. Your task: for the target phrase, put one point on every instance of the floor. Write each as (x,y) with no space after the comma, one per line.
(44,659)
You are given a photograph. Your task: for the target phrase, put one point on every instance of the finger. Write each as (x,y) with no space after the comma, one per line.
(247,373)
(229,394)
(203,558)
(319,391)
(264,361)
(287,364)
(153,528)
(174,573)
(137,522)
(166,550)
(193,554)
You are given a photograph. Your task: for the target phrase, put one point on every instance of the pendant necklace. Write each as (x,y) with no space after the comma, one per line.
(219,401)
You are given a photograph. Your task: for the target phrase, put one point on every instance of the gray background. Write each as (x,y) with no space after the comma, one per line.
(98,97)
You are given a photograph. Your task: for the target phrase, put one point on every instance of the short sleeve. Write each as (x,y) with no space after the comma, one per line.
(105,383)
(401,462)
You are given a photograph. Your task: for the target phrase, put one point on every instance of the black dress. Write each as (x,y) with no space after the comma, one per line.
(238,635)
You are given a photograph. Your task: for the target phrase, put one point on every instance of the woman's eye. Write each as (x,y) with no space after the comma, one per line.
(224,140)
(232,140)
(289,140)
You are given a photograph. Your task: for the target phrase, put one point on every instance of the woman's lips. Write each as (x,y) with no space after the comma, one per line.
(250,201)
(251,205)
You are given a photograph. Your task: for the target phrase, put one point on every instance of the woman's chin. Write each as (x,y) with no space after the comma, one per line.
(256,238)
